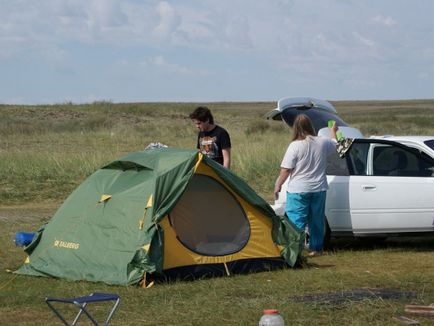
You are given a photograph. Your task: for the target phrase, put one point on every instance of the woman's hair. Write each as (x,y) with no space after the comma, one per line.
(203,114)
(302,127)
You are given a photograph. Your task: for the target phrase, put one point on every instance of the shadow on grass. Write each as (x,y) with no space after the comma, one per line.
(343,297)
(422,243)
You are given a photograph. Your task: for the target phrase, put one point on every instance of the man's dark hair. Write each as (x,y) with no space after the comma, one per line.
(202,113)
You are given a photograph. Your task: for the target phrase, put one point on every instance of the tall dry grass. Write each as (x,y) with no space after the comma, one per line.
(48,150)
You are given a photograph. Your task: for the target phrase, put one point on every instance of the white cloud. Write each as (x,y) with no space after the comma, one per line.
(161,62)
(107,14)
(367,43)
(238,33)
(384,21)
(217,39)
(260,26)
(168,21)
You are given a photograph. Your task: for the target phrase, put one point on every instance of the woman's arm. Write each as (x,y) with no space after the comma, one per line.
(284,174)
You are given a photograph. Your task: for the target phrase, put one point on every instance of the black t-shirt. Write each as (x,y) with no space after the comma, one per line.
(212,142)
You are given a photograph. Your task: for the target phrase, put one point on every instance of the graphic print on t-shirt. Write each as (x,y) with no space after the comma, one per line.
(208,146)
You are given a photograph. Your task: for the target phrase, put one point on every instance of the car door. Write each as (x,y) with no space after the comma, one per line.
(390,188)
(337,208)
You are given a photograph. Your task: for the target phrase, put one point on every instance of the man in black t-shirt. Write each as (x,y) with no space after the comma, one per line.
(212,140)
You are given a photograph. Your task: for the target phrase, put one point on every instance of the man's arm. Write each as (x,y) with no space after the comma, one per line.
(284,174)
(226,157)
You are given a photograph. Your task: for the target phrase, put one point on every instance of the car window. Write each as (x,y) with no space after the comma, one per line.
(319,118)
(430,143)
(426,165)
(389,160)
(336,165)
(357,158)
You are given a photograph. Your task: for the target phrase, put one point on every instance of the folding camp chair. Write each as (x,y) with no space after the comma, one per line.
(81,303)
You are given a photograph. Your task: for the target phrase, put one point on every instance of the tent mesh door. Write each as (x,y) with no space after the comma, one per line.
(209,220)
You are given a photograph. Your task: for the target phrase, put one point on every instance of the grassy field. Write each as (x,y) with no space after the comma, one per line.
(47,151)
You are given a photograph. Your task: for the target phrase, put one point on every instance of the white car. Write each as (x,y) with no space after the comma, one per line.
(383,186)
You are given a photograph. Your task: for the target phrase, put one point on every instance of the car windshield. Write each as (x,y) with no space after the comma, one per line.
(430,143)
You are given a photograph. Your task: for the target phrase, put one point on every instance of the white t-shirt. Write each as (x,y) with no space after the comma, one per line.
(308,159)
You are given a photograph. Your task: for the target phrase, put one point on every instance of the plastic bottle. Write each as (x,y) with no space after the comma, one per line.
(271,317)
(23,239)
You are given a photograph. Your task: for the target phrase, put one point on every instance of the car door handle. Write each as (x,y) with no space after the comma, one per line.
(368,187)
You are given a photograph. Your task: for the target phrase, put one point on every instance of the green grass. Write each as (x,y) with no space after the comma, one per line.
(236,300)
(46,151)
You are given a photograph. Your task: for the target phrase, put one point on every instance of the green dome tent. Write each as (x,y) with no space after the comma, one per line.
(162,211)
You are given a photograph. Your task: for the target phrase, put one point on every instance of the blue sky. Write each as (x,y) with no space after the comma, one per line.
(80,51)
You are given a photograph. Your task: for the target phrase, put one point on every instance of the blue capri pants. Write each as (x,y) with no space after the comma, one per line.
(308,208)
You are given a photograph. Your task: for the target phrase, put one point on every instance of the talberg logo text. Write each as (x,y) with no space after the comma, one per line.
(66,245)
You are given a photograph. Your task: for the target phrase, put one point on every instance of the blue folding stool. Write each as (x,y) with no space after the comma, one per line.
(81,303)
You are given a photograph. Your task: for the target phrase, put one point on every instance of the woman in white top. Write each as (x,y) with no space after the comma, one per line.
(305,163)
